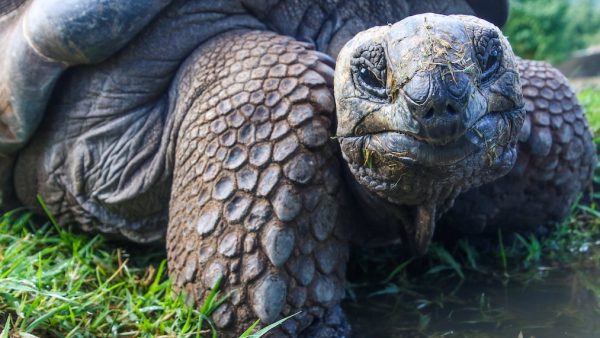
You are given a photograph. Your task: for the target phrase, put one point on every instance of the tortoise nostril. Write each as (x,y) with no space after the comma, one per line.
(429,113)
(450,110)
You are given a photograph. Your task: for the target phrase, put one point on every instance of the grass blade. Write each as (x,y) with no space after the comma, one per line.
(266,330)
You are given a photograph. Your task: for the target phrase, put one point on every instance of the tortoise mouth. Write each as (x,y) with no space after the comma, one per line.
(490,133)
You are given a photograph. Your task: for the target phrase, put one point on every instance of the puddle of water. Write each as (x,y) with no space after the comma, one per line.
(565,303)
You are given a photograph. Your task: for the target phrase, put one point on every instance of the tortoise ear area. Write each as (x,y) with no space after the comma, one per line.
(495,12)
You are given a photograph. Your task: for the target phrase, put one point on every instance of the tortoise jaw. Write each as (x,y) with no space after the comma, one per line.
(397,147)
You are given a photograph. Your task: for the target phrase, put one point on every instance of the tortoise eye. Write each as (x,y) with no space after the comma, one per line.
(369,71)
(371,83)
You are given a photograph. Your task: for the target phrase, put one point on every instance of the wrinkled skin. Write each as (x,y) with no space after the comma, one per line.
(212,124)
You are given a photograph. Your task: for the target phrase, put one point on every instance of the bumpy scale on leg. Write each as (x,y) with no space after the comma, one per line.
(256,191)
(555,162)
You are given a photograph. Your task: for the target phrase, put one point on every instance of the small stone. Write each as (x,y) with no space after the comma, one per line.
(557,122)
(221,154)
(579,127)
(252,85)
(278,243)
(569,117)
(525,130)
(268,60)
(203,196)
(567,104)
(269,298)
(530,91)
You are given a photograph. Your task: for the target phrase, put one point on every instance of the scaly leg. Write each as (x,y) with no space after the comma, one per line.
(257,190)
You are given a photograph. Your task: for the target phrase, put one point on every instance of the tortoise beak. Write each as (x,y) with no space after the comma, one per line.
(418,236)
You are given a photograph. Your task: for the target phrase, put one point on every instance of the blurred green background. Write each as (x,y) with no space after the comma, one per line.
(552,29)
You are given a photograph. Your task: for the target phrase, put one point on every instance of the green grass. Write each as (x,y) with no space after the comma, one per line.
(590,100)
(54,282)
(57,283)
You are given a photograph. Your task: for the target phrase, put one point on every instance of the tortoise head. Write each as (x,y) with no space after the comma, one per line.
(427,108)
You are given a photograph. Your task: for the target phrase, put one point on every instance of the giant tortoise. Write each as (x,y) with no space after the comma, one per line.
(221,129)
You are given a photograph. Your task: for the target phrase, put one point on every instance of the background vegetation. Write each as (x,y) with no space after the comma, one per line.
(552,29)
